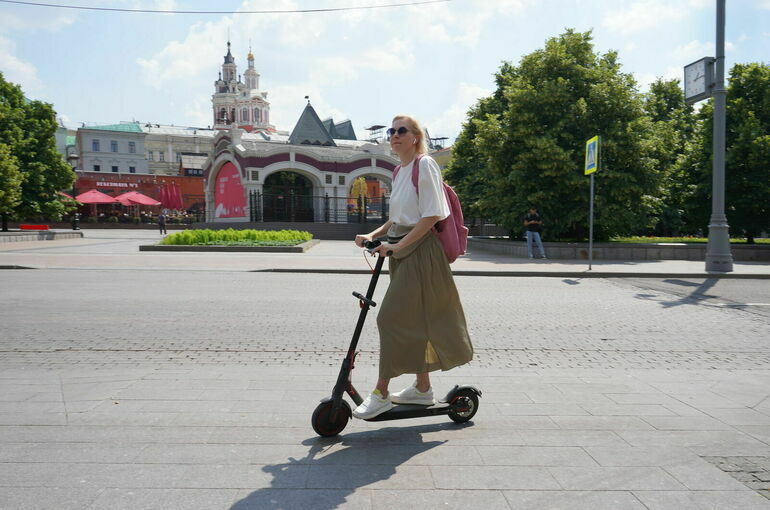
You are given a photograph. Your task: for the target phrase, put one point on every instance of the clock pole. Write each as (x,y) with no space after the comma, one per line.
(718,256)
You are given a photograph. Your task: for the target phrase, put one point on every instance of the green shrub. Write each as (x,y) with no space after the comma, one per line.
(232,237)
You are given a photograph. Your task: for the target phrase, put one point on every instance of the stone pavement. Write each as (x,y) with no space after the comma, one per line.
(145,388)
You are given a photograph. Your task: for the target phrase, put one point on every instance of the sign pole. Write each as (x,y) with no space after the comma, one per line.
(593,156)
(591,226)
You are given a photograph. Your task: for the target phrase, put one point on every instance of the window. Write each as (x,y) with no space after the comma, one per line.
(245,114)
(341,180)
(254,175)
(132,147)
(132,169)
(97,168)
(114,168)
(178,157)
(150,156)
(328,178)
(114,146)
(161,156)
(193,171)
(257,116)
(95,145)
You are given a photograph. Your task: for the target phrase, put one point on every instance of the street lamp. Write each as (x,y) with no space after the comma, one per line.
(702,79)
(72,159)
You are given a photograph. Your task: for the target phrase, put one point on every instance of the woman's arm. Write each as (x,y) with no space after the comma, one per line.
(373,234)
(414,235)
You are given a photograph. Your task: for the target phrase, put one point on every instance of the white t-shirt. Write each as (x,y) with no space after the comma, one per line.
(406,206)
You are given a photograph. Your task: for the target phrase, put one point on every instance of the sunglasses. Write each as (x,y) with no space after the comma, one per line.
(401,131)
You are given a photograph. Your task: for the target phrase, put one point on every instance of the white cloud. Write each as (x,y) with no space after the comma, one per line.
(645,14)
(50,20)
(644,80)
(449,123)
(693,50)
(288,101)
(16,70)
(185,60)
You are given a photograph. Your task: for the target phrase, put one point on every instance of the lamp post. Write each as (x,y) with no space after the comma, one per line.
(72,159)
(718,256)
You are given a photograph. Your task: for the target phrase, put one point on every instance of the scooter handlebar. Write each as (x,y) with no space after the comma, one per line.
(370,246)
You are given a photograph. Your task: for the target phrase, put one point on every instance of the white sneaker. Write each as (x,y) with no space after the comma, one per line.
(411,395)
(373,405)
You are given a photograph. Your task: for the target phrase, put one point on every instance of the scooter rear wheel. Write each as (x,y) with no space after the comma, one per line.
(326,422)
(472,400)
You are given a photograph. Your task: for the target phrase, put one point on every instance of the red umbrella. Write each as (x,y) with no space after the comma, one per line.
(93,196)
(178,197)
(136,198)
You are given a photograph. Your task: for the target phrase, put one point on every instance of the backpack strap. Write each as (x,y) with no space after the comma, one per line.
(415,172)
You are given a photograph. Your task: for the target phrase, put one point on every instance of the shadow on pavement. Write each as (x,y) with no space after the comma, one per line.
(337,466)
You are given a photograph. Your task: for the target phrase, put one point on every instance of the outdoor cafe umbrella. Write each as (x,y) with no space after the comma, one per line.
(94,197)
(135,198)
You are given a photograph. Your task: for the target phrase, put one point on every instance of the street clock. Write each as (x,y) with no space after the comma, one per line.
(698,80)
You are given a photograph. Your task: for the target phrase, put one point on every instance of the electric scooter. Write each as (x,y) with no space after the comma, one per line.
(333,413)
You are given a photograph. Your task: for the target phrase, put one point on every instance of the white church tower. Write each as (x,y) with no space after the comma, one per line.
(240,104)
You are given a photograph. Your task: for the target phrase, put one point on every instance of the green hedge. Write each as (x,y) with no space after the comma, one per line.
(643,239)
(232,237)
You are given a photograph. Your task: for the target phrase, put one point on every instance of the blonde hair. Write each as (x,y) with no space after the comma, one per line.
(417,131)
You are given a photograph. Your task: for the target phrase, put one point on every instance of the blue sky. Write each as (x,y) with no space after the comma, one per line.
(432,61)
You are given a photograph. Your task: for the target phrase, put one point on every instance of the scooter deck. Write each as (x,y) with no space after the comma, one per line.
(403,411)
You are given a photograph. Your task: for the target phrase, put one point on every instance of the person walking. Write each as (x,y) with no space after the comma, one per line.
(534,223)
(162,223)
(421,322)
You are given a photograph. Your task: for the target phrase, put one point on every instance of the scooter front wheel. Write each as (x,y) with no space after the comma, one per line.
(327,422)
(468,402)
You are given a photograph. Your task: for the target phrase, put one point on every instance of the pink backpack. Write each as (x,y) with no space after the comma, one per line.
(451,231)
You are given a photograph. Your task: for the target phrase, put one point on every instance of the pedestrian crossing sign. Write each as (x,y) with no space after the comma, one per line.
(592,155)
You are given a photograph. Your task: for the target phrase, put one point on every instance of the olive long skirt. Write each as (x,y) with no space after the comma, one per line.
(421,321)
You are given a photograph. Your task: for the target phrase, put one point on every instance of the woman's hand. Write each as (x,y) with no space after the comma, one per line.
(362,238)
(384,248)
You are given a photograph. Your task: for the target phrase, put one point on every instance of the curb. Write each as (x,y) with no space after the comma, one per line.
(538,274)
(300,248)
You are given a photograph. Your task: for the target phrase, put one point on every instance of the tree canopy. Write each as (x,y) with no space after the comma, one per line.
(747,158)
(27,129)
(525,144)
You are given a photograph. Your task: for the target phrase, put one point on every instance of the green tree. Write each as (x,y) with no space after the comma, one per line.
(28,129)
(747,159)
(467,169)
(10,184)
(673,125)
(532,150)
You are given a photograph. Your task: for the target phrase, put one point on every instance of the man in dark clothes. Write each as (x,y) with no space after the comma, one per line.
(162,223)
(534,223)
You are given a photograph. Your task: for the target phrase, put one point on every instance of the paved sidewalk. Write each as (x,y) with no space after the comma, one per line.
(169,381)
(116,249)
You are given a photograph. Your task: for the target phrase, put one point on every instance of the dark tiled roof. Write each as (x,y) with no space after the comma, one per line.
(310,130)
(345,130)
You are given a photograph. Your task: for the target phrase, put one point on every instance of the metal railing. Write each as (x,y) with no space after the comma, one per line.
(293,207)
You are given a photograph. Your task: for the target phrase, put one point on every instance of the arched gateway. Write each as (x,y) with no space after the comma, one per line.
(250,178)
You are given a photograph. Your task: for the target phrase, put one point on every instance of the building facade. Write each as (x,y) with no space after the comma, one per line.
(166,144)
(240,103)
(303,177)
(115,148)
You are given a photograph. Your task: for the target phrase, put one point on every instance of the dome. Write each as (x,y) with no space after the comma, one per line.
(251,56)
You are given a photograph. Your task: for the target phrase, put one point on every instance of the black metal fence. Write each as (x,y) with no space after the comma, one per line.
(316,208)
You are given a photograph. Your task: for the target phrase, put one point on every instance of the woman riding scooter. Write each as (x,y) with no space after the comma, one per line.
(421,321)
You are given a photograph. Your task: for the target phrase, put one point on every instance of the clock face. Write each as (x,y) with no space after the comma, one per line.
(697,80)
